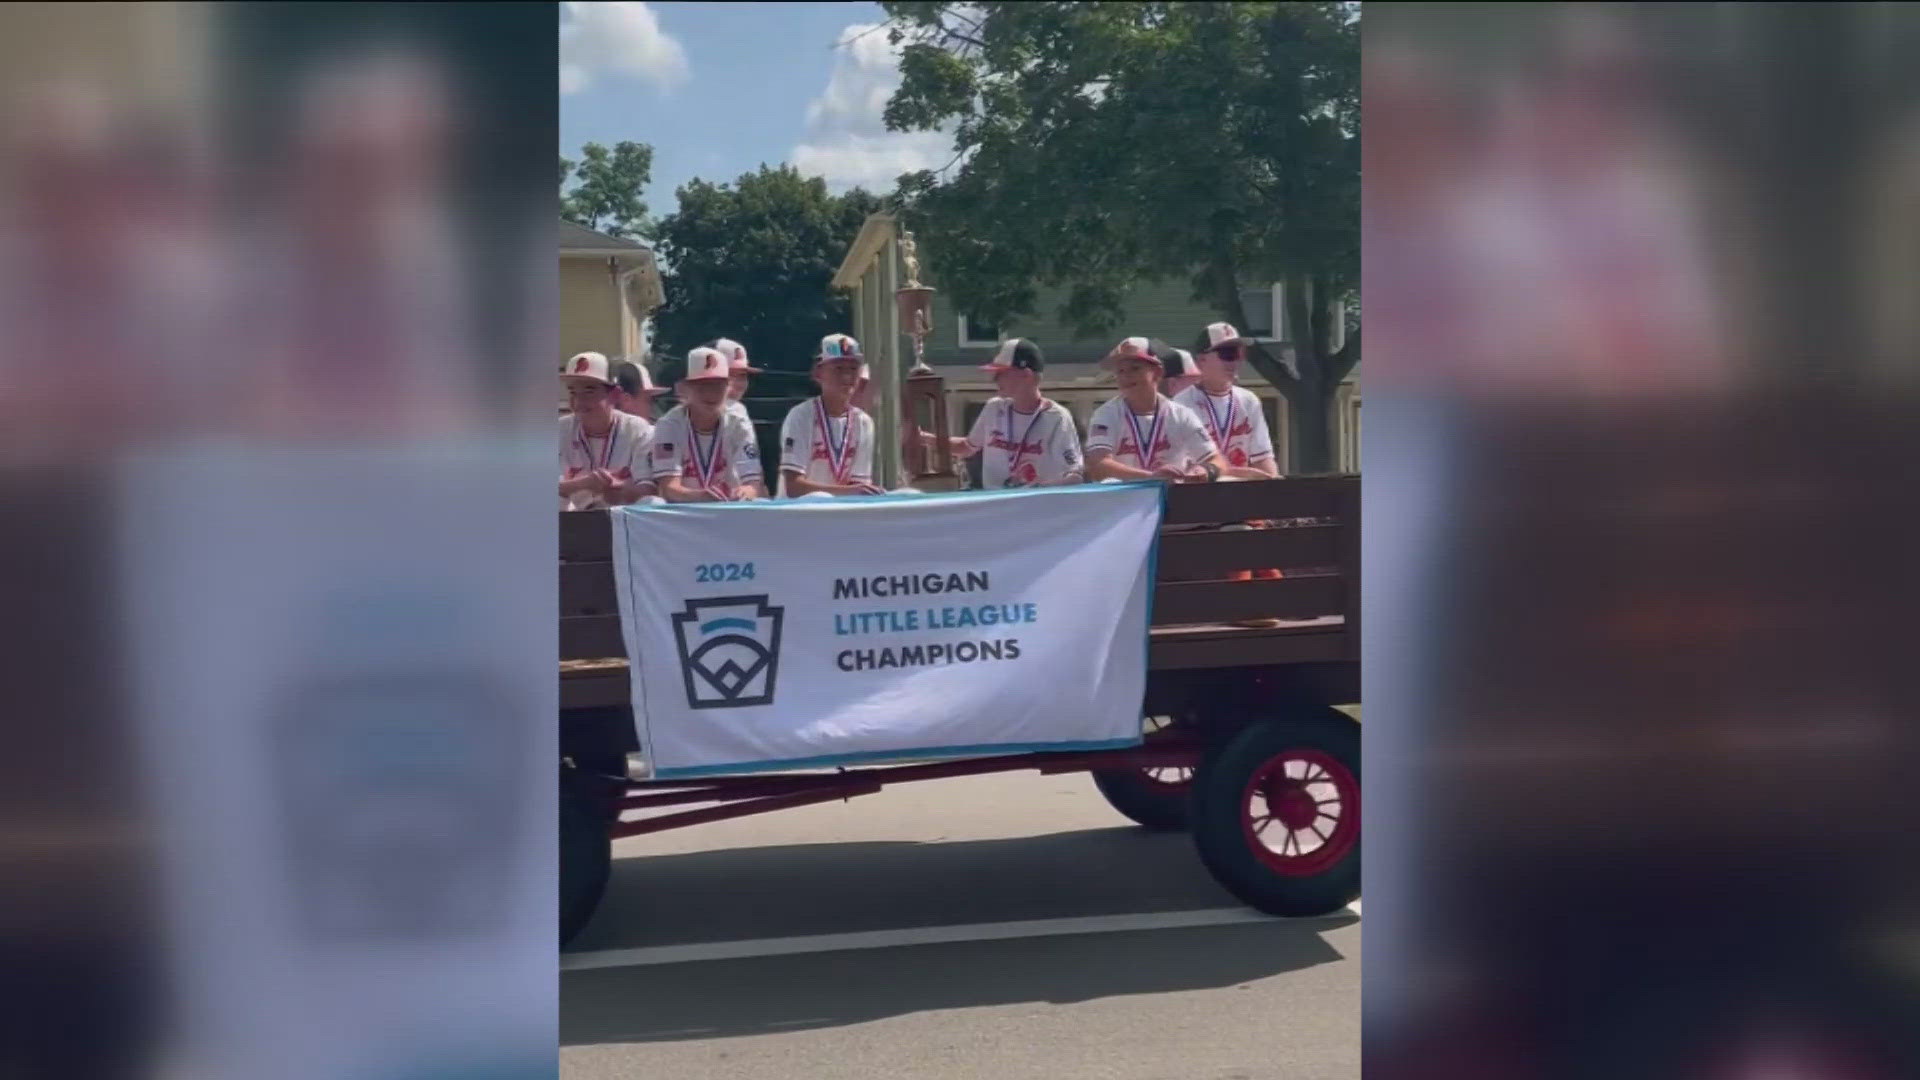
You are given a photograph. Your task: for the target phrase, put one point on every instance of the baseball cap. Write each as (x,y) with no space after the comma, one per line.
(736,355)
(837,347)
(1017,353)
(1178,362)
(705,364)
(633,378)
(1218,334)
(1134,348)
(588,365)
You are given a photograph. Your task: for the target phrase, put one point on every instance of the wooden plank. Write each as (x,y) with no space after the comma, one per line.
(1225,601)
(1246,500)
(596,692)
(1350,568)
(1202,555)
(591,637)
(586,588)
(1246,648)
(585,536)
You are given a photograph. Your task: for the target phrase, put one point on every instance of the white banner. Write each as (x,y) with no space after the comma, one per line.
(770,635)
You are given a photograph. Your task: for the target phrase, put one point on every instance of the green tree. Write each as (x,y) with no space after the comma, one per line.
(753,260)
(1100,146)
(606,196)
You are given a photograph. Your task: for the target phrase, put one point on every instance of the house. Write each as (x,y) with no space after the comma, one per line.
(608,287)
(957,345)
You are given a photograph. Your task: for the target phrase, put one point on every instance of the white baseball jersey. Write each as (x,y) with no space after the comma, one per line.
(826,449)
(724,459)
(623,453)
(1025,448)
(1176,437)
(736,407)
(1235,421)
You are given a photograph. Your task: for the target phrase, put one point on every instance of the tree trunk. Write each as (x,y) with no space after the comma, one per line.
(1309,428)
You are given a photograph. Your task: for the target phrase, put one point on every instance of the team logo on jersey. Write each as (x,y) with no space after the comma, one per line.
(729,651)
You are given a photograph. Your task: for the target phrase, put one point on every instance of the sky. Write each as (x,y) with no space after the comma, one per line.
(717,89)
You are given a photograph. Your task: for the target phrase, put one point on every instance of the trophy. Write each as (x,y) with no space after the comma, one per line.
(925,391)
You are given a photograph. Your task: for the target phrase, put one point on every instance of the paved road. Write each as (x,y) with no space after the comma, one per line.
(1069,999)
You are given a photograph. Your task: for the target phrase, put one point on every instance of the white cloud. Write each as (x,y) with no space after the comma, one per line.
(617,37)
(846,140)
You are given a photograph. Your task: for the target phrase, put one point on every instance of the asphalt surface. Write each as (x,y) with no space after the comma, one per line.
(1241,1001)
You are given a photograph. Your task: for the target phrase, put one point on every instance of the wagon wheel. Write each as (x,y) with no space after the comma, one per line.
(1276,814)
(586,847)
(1157,798)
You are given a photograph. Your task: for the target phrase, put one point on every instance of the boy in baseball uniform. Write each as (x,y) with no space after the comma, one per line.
(702,450)
(1023,439)
(603,452)
(1141,434)
(740,373)
(1233,416)
(826,443)
(1182,370)
(633,390)
(1231,412)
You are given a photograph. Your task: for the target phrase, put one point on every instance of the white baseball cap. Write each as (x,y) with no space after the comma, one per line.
(736,354)
(705,364)
(837,347)
(1133,348)
(588,365)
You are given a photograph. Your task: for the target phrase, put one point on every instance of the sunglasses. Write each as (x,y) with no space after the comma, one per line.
(1229,353)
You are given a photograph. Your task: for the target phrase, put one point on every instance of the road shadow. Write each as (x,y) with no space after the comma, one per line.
(808,889)
(803,889)
(734,998)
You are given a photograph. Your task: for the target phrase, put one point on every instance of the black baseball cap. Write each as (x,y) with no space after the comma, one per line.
(1218,334)
(1177,362)
(1020,353)
(633,379)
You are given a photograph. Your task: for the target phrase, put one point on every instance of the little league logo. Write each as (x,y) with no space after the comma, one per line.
(729,651)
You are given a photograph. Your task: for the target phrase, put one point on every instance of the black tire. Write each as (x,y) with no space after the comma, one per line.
(1147,802)
(1318,882)
(586,848)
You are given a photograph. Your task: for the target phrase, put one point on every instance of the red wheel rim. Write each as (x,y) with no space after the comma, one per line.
(1301,812)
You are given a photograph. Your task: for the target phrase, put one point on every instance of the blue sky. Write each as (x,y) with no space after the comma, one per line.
(720,88)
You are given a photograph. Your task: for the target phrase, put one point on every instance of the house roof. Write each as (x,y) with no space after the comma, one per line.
(578,239)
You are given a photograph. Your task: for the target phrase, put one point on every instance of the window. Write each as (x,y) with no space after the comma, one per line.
(974,332)
(1267,316)
(1263,312)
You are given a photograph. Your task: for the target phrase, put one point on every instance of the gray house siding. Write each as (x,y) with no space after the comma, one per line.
(1162,311)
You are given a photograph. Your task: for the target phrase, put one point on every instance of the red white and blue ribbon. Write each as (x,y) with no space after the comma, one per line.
(1220,434)
(586,448)
(1019,449)
(706,466)
(1146,446)
(839,455)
